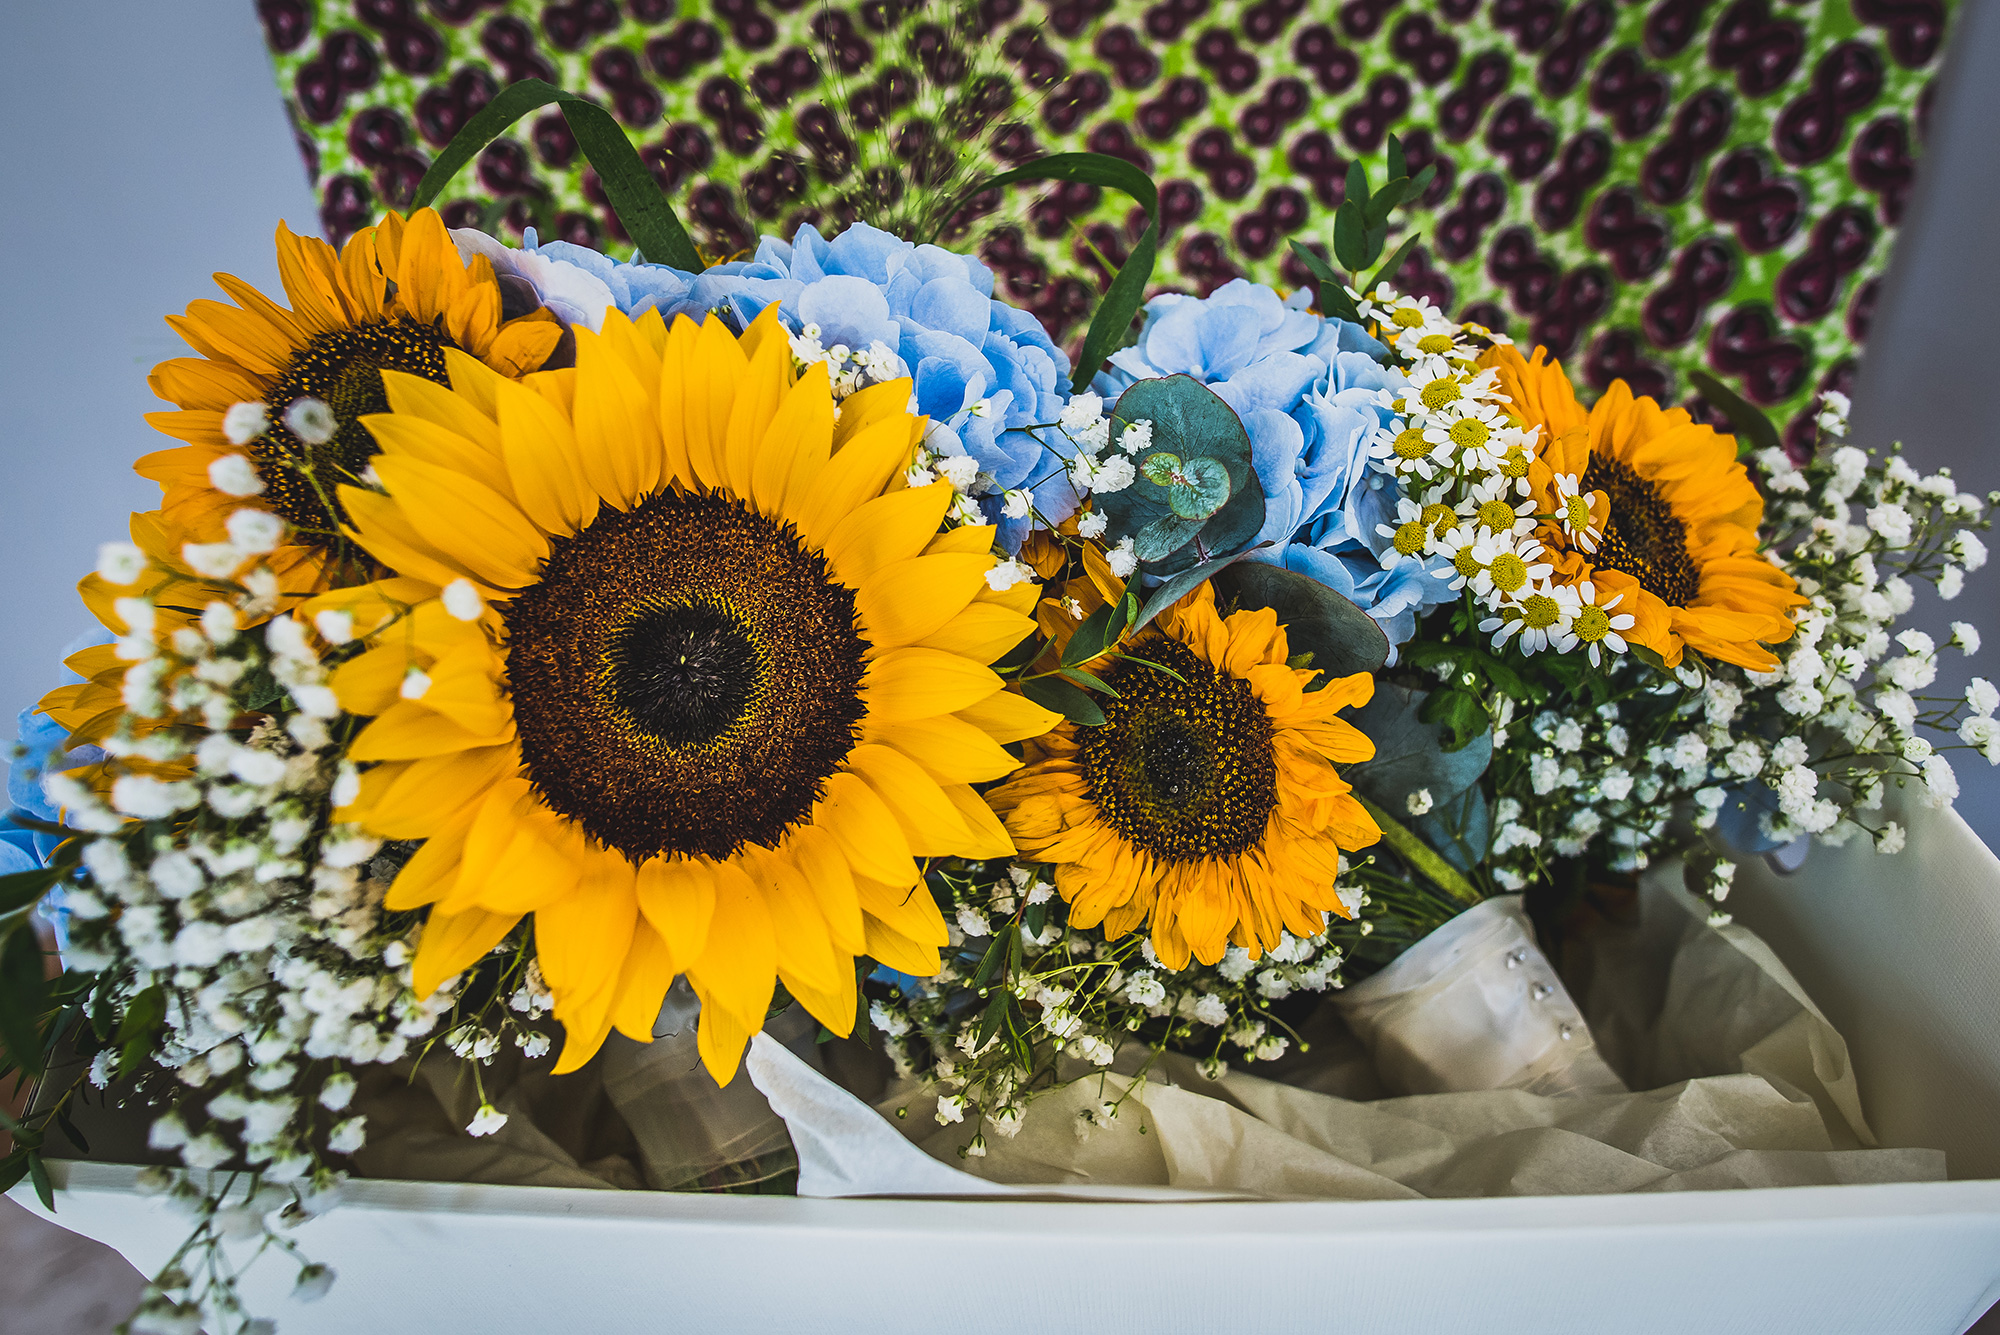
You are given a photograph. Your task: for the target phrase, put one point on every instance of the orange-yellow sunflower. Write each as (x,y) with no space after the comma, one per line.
(674,663)
(1208,804)
(1667,518)
(396,297)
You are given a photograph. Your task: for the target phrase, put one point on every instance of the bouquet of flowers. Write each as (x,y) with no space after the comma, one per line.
(524,629)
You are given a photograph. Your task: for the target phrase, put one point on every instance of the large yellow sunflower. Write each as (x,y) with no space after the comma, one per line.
(1678,515)
(675,663)
(396,297)
(1208,801)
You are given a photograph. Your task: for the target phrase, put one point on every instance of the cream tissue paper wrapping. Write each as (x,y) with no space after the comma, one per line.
(1464,1068)
(1494,1081)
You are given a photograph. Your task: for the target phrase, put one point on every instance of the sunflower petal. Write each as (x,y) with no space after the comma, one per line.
(453,943)
(738,967)
(677,895)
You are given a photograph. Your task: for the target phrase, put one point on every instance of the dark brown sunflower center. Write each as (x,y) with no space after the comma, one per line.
(1182,769)
(343,369)
(1643,537)
(685,677)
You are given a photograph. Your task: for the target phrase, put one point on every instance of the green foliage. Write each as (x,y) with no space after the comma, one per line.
(635,196)
(1361,230)
(1753,429)
(1196,493)
(1065,698)
(1341,638)
(1111,327)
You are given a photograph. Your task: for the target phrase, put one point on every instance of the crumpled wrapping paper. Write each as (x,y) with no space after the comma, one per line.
(638,1115)
(1739,1082)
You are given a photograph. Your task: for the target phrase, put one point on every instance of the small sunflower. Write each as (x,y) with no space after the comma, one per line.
(1208,802)
(397,297)
(674,663)
(1679,533)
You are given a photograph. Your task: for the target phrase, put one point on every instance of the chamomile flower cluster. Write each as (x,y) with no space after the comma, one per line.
(1462,462)
(1756,760)
(1025,1004)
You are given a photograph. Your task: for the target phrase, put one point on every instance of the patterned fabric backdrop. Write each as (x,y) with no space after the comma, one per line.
(1645,187)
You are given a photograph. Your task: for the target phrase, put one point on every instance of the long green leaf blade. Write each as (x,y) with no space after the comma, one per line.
(1128,287)
(635,196)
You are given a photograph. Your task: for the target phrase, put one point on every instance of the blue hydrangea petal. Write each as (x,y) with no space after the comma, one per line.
(952,305)
(847,310)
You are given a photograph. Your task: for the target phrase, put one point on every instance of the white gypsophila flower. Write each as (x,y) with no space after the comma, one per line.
(1143,989)
(486,1121)
(1966,636)
(1897,706)
(1969,551)
(1917,749)
(950,1109)
(235,475)
(1950,582)
(1617,739)
(972,922)
(1790,751)
(120,563)
(1007,574)
(1569,736)
(337,1092)
(313,1283)
(146,798)
(535,1045)
(1890,838)
(1615,783)
(311,420)
(1940,783)
(244,422)
(1092,524)
(462,601)
(1113,475)
(1122,559)
(348,1136)
(1893,523)
(1137,437)
(334,627)
(960,470)
(1016,504)
(1081,413)
(1543,771)
(1419,802)
(1236,964)
(255,532)
(1745,759)
(1984,733)
(1210,1009)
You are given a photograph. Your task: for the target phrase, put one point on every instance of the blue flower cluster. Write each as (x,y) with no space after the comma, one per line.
(1309,392)
(41,749)
(983,371)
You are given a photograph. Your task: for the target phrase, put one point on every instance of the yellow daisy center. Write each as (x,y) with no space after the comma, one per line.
(1592,624)
(1509,572)
(685,676)
(1410,444)
(1410,538)
(1440,392)
(1182,769)
(1578,510)
(1435,344)
(1496,515)
(1539,611)
(1515,464)
(1469,433)
(1405,317)
(1465,563)
(1441,518)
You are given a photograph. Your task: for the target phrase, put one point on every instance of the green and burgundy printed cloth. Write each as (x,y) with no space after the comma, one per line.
(1644,187)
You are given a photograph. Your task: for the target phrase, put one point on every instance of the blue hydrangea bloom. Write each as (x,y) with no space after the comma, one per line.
(1306,389)
(41,749)
(983,371)
(935,310)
